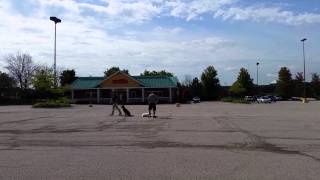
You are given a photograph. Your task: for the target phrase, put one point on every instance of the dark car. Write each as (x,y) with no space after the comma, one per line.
(249,98)
(278,98)
(273,98)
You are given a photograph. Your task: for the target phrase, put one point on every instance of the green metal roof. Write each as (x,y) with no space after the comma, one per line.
(87,82)
(157,81)
(146,81)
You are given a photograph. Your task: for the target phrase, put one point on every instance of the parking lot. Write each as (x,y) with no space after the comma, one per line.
(209,140)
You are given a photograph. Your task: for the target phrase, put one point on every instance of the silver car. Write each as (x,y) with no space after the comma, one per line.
(264,99)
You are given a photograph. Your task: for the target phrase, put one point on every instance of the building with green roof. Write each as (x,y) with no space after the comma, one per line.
(130,89)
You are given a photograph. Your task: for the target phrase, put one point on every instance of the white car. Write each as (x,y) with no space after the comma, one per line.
(196,99)
(264,99)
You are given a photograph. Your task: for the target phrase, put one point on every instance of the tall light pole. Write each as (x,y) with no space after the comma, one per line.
(257,77)
(304,70)
(257,73)
(56,21)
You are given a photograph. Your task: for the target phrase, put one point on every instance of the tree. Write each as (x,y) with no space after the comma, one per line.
(196,87)
(284,83)
(298,85)
(243,85)
(43,80)
(210,82)
(6,82)
(315,84)
(67,77)
(237,89)
(157,73)
(21,68)
(113,70)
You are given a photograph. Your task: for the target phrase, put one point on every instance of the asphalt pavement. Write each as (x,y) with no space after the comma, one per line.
(209,140)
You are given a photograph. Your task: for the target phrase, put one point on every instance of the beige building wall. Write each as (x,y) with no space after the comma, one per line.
(119,80)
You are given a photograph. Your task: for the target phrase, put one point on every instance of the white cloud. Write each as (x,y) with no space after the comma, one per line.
(190,10)
(267,14)
(231,68)
(271,75)
(130,11)
(163,30)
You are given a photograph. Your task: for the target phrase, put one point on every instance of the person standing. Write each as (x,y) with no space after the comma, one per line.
(152,101)
(115,102)
(121,99)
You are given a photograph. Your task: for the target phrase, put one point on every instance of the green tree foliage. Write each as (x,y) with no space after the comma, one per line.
(237,89)
(284,83)
(6,82)
(113,70)
(315,84)
(244,84)
(157,73)
(67,77)
(196,87)
(210,82)
(43,80)
(297,84)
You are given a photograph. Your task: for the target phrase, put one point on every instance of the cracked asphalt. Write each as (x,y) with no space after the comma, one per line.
(210,140)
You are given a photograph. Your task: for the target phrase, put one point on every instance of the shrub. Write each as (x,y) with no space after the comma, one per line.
(57,103)
(227,99)
(235,100)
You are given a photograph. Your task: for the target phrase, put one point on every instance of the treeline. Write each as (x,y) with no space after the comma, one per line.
(26,81)
(208,87)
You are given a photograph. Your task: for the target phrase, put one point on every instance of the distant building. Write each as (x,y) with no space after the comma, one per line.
(130,89)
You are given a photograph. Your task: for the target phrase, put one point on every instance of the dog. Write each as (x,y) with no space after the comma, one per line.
(145,115)
(126,111)
(148,115)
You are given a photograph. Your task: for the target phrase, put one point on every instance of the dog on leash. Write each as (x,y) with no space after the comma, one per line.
(148,115)
(145,115)
(126,111)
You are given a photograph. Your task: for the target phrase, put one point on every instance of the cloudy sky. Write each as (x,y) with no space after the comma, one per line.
(181,36)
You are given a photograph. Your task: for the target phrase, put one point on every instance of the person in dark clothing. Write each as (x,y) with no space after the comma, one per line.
(115,101)
(153,100)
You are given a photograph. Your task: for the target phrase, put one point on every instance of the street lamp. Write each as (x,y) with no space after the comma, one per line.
(56,21)
(257,73)
(257,77)
(304,70)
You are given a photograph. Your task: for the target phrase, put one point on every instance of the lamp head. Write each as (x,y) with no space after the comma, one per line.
(55,19)
(304,39)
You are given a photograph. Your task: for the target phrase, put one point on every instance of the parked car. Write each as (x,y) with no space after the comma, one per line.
(264,99)
(196,99)
(278,98)
(249,98)
(296,99)
(273,98)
